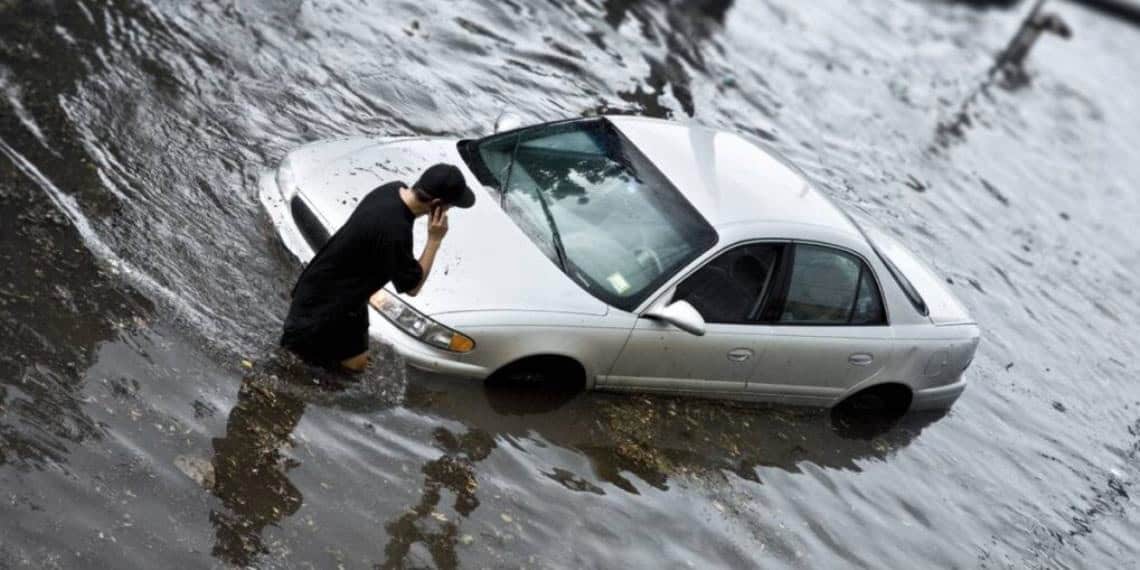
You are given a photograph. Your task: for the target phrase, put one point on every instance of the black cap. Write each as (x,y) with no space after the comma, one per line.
(445,182)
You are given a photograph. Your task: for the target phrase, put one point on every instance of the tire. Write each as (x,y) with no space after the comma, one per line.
(871,412)
(541,372)
(535,385)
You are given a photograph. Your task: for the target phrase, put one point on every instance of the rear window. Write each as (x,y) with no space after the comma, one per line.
(830,287)
(885,248)
(904,284)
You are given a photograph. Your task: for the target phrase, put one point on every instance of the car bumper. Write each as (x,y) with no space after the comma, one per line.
(937,398)
(277,207)
(418,354)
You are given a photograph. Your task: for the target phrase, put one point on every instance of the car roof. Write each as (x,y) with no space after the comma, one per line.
(731,179)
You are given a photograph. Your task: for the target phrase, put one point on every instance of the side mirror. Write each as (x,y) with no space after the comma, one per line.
(507,122)
(681,315)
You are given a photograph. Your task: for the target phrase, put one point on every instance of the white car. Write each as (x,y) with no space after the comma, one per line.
(635,254)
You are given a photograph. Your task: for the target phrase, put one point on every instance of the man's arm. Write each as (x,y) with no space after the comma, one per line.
(437,229)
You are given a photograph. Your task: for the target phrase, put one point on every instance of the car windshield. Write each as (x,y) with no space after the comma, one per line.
(594,205)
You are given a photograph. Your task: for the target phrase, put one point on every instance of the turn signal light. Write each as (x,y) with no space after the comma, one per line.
(461,343)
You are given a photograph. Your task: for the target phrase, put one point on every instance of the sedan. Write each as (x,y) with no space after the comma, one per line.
(633,254)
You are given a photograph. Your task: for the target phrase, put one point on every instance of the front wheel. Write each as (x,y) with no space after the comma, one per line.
(535,385)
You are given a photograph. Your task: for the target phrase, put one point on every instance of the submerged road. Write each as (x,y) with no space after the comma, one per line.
(143,424)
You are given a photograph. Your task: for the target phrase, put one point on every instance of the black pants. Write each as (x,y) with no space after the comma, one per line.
(330,342)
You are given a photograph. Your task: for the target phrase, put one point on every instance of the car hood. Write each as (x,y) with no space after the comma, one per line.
(486,262)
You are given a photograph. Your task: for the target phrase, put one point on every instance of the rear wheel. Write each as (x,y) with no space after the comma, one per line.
(871,412)
(881,400)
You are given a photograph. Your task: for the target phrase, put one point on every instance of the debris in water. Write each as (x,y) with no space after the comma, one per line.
(199,469)
(914,184)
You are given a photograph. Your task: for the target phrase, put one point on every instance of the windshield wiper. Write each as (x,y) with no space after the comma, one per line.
(559,249)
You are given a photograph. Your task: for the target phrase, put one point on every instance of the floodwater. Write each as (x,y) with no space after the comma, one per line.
(145,421)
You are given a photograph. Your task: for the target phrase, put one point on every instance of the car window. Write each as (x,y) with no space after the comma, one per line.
(830,287)
(730,288)
(868,302)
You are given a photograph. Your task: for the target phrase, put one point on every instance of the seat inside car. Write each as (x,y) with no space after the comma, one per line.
(725,295)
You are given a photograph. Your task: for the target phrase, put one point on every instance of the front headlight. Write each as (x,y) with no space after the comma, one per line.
(420,326)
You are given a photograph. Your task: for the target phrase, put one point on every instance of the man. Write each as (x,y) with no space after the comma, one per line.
(328,319)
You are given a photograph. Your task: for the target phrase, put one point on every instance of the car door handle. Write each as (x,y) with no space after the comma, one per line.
(740,354)
(860,359)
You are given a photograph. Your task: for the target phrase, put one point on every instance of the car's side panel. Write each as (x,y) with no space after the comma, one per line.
(817,364)
(660,357)
(797,364)
(929,356)
(502,337)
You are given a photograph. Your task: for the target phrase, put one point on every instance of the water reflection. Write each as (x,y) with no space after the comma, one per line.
(250,468)
(657,441)
(454,472)
(659,438)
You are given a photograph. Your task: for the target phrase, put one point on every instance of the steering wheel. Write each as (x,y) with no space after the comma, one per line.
(642,253)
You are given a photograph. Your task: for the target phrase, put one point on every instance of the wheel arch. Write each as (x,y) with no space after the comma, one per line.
(548,359)
(899,395)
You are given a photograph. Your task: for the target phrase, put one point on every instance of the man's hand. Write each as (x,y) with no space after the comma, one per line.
(437,228)
(437,224)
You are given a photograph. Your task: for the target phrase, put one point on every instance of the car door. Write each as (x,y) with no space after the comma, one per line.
(725,291)
(827,327)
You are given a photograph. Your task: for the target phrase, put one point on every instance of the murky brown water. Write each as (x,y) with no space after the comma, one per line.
(137,273)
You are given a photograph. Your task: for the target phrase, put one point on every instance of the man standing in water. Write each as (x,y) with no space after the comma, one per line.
(328,319)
